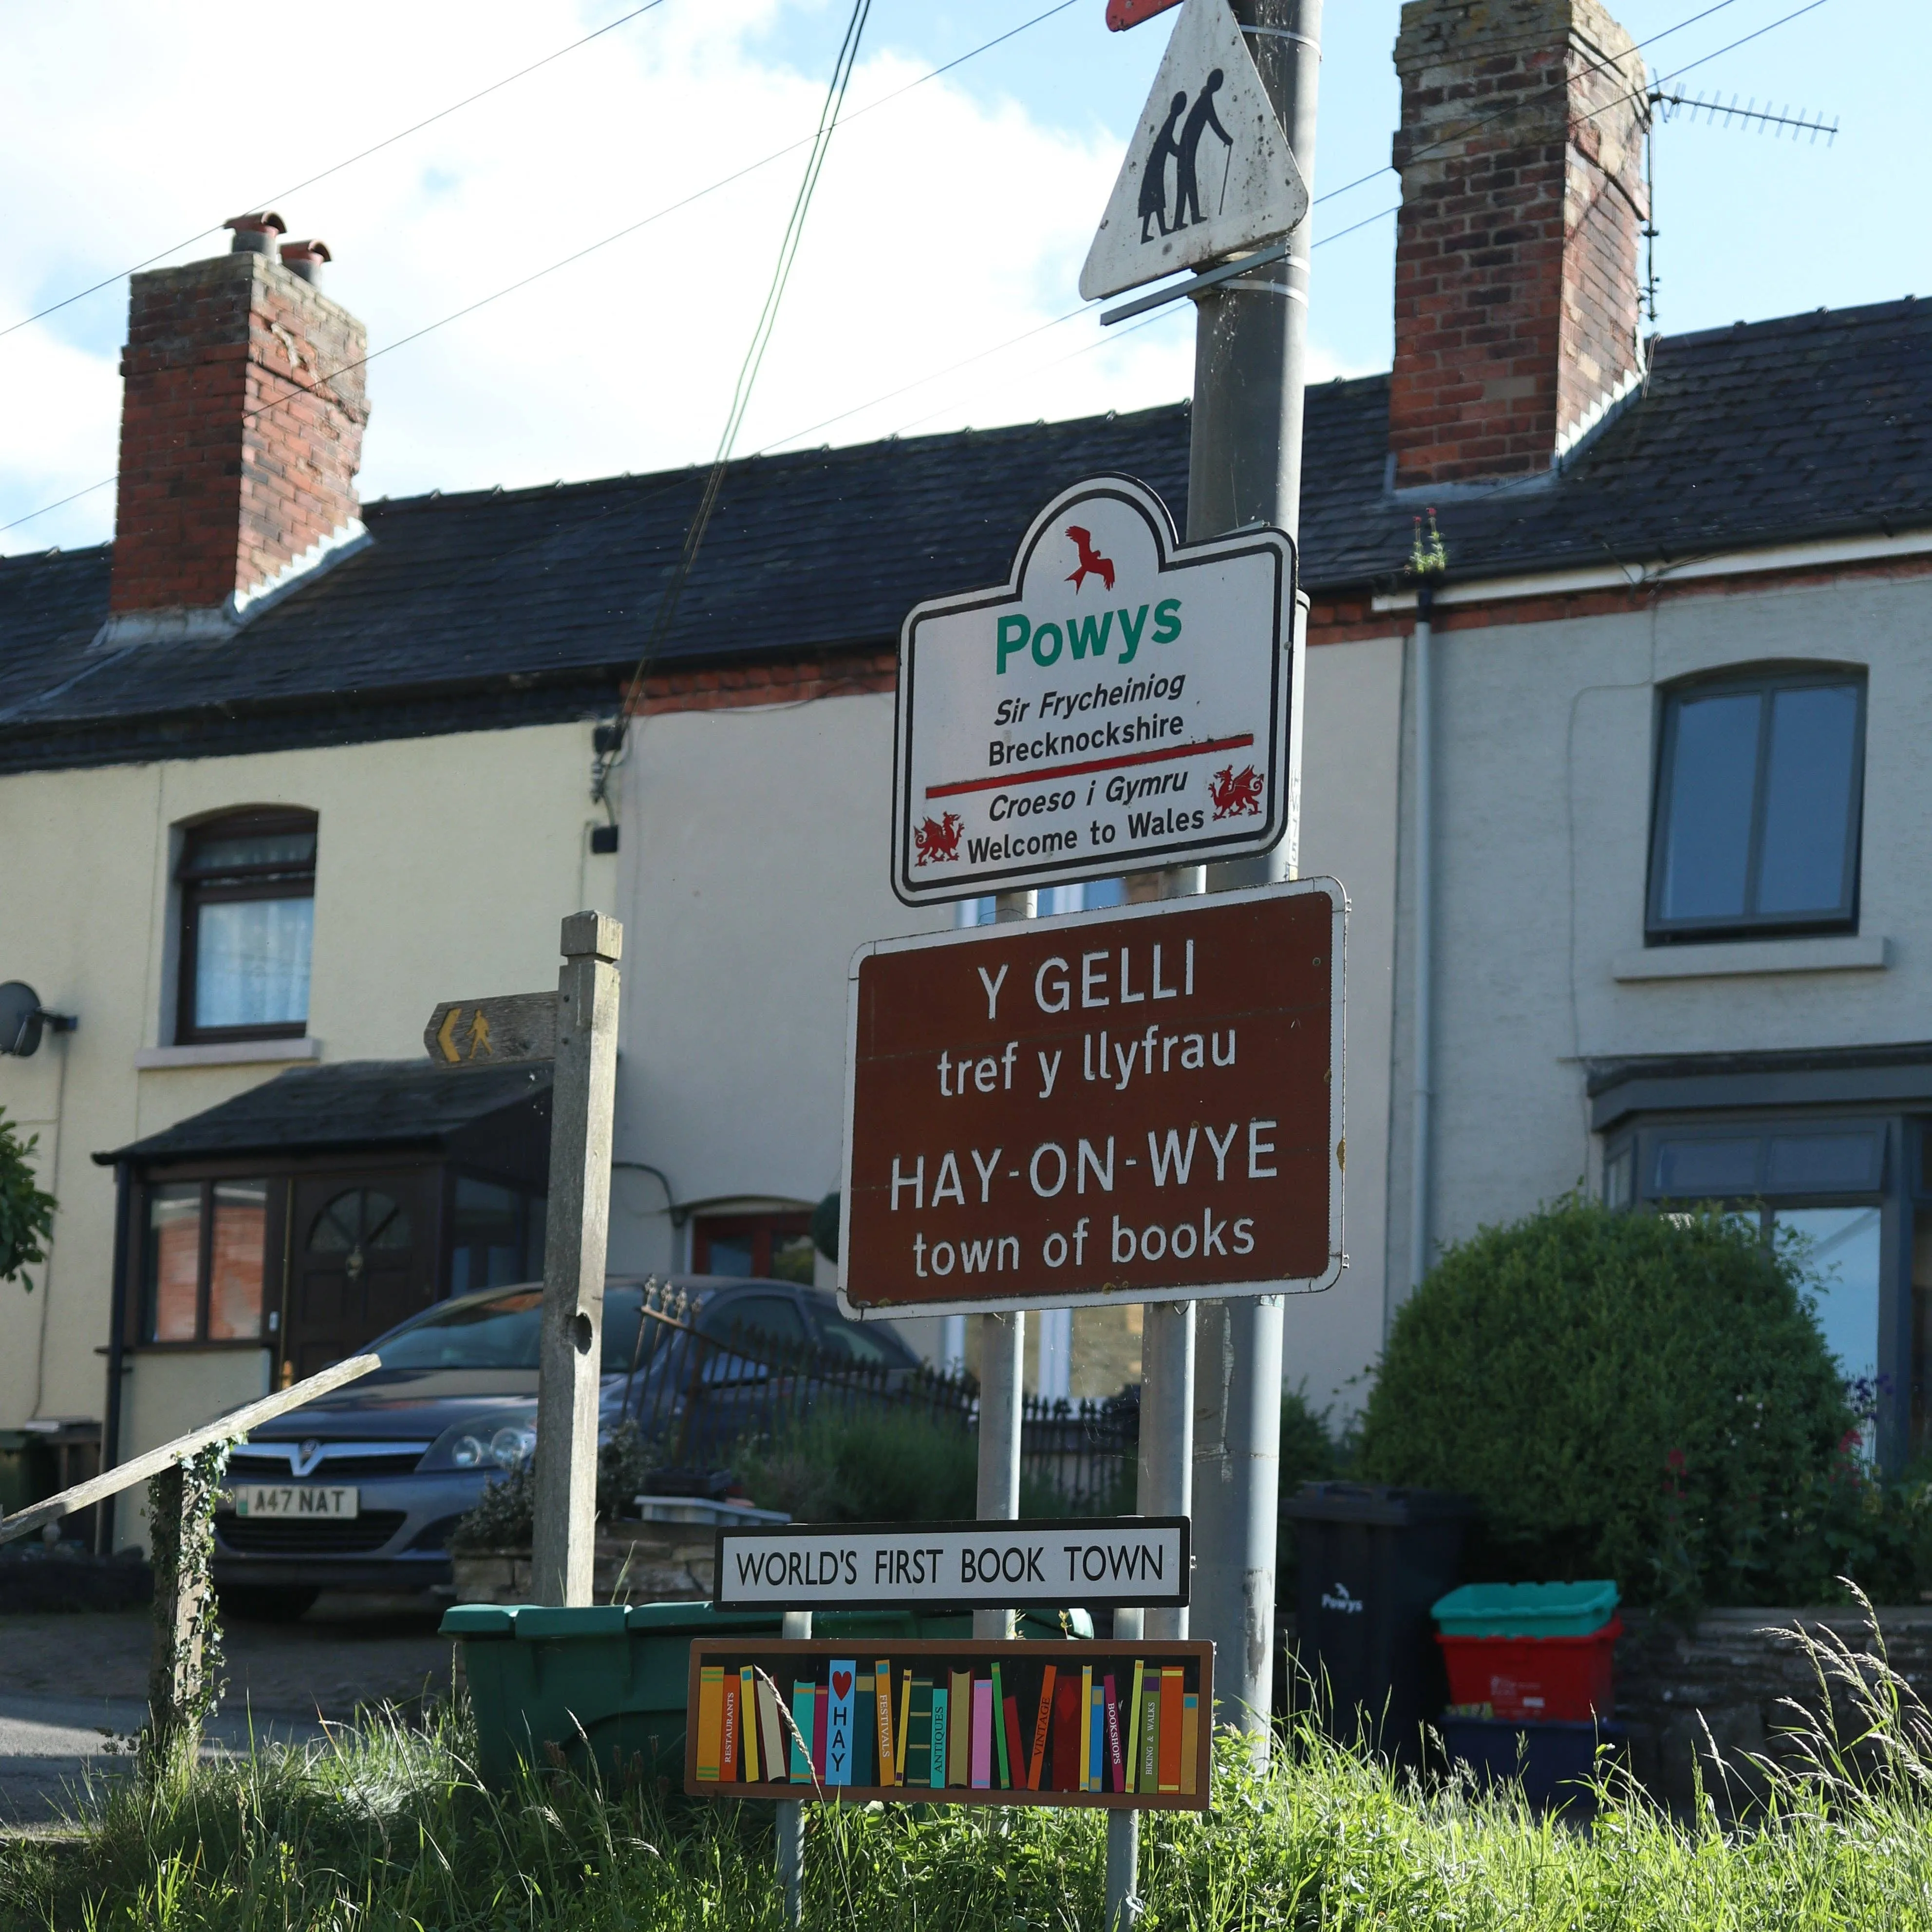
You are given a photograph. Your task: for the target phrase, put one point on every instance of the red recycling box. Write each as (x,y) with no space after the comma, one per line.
(1564,1678)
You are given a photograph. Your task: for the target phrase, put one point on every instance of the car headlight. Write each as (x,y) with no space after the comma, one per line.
(510,1448)
(467,1452)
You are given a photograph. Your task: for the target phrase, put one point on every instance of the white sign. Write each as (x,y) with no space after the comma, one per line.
(1209,171)
(1088,1561)
(1121,703)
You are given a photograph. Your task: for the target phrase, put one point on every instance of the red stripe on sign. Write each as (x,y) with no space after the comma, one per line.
(1201,749)
(1122,14)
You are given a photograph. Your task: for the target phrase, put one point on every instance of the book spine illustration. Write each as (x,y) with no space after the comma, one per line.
(1043,1723)
(804,1701)
(1150,1765)
(864,1733)
(1002,1741)
(959,1755)
(1116,1764)
(1190,1740)
(882,1685)
(905,1729)
(772,1733)
(843,1673)
(982,1765)
(942,1720)
(1170,1728)
(919,1734)
(710,1720)
(727,1743)
(748,1723)
(1069,1726)
(1016,1764)
(819,1696)
(1086,1727)
(1134,1729)
(1096,1744)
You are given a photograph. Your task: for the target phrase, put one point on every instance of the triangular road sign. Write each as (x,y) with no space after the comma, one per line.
(1209,171)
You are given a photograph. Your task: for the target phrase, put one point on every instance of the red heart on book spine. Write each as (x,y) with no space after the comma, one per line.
(841,1682)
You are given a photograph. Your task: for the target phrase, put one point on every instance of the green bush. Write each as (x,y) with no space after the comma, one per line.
(26,1209)
(505,1515)
(886,1466)
(1630,1396)
(871,1466)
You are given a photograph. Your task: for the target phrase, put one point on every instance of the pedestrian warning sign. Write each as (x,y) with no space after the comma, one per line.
(1209,171)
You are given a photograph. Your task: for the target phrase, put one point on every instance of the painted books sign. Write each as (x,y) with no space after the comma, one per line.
(1123,701)
(1114,1725)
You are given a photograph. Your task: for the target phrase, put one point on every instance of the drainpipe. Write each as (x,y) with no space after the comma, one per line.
(117,1331)
(1425,961)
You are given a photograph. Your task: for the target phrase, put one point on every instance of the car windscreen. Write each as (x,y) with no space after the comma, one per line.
(501,1333)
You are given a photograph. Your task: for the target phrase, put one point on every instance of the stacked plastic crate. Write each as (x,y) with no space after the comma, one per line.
(1532,1689)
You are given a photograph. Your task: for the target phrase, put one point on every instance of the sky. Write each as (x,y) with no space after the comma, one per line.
(935,284)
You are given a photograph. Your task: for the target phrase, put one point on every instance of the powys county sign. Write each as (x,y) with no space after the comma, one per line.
(1144,1103)
(1123,702)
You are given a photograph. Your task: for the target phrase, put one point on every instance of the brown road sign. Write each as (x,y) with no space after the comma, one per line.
(487,1033)
(1144,1103)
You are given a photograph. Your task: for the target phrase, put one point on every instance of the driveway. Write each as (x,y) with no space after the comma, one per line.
(73,1683)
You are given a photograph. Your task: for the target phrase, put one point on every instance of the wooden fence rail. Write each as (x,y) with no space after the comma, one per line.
(180,1518)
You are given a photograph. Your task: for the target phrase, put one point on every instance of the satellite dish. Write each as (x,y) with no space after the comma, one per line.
(20,1018)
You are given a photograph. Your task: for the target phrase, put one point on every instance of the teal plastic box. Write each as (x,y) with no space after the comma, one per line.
(1526,1609)
(602,1687)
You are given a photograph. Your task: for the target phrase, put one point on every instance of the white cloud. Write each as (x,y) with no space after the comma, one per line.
(943,224)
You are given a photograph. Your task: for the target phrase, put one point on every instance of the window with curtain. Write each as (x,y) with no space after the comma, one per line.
(247,907)
(1758,800)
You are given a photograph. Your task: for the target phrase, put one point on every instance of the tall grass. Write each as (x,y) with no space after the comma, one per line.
(386,1828)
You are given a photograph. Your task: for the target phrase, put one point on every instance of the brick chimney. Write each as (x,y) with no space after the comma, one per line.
(1516,288)
(242,425)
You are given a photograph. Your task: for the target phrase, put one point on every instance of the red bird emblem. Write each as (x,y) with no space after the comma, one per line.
(937,840)
(1235,793)
(1092,563)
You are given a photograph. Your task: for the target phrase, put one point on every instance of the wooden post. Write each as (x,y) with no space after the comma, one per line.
(181,1509)
(571,1348)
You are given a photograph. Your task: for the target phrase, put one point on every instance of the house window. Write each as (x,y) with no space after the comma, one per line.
(206,1260)
(247,903)
(1815,1189)
(770,1246)
(1760,788)
(496,1236)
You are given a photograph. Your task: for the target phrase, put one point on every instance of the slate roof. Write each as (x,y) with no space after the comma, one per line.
(517,606)
(355,1103)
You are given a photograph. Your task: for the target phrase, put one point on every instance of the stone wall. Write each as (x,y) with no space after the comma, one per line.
(1713,1697)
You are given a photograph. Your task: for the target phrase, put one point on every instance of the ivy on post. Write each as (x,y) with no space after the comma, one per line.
(184,1681)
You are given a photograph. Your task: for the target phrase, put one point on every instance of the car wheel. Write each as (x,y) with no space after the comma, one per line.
(258,1603)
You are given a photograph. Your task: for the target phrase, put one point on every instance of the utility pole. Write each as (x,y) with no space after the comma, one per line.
(570,1341)
(1244,466)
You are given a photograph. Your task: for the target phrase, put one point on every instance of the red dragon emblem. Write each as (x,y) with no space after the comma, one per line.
(1092,563)
(937,840)
(1234,793)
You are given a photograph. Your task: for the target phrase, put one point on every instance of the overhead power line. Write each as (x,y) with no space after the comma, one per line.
(336,168)
(666,614)
(577,255)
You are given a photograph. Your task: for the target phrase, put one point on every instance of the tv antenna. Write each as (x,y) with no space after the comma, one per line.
(1666,105)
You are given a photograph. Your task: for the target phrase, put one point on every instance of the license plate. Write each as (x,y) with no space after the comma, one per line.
(286,1499)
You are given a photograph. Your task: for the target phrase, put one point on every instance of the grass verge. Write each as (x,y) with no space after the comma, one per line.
(388,1829)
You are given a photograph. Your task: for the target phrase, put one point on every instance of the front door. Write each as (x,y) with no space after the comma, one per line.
(362,1263)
